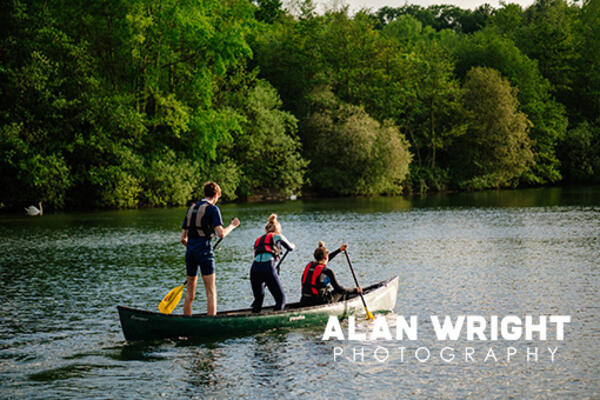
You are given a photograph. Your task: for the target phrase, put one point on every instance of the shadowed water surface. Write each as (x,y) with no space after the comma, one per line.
(493,253)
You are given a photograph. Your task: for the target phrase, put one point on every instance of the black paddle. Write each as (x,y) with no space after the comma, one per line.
(281,260)
(369,315)
(215,247)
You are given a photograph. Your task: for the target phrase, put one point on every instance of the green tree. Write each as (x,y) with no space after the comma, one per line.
(400,73)
(587,85)
(179,51)
(549,37)
(439,17)
(288,56)
(509,19)
(268,10)
(169,180)
(436,116)
(580,152)
(350,152)
(266,148)
(41,110)
(136,86)
(430,111)
(496,149)
(405,30)
(488,48)
(28,175)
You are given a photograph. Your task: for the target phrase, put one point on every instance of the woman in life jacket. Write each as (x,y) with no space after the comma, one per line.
(317,277)
(266,253)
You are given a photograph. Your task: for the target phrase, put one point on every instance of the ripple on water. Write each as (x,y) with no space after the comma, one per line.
(61,336)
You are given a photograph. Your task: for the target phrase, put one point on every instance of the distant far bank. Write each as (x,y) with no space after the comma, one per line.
(136,104)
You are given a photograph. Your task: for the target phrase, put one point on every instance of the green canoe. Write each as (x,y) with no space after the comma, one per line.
(148,325)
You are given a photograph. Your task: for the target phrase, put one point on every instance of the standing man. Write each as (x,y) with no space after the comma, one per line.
(201,222)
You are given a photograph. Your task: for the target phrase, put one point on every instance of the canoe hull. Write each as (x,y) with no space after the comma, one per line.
(147,325)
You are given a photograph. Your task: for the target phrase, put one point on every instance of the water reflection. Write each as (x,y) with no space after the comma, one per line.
(136,352)
(494,253)
(201,366)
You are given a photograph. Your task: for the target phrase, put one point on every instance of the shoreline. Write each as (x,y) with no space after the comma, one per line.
(310,196)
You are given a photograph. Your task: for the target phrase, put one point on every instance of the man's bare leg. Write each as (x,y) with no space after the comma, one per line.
(189,294)
(211,294)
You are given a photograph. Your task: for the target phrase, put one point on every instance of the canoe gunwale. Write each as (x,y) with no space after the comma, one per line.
(247,312)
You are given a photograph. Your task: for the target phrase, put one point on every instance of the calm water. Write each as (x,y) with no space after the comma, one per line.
(498,253)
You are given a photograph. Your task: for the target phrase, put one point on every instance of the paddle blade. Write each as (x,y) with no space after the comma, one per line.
(369,315)
(168,304)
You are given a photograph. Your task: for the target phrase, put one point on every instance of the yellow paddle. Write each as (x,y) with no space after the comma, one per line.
(168,304)
(369,315)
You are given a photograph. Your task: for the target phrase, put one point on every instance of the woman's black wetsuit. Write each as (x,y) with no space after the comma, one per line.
(263,273)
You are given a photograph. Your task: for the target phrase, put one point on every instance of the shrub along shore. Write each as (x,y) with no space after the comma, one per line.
(135,103)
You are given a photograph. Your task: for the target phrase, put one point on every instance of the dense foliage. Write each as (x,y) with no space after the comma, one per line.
(496,149)
(129,103)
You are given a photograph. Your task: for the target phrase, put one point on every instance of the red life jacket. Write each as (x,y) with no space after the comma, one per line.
(266,244)
(309,278)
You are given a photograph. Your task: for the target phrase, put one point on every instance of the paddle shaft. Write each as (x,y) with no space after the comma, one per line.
(281,260)
(354,276)
(217,244)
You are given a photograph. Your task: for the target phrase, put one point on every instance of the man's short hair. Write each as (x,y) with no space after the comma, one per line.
(211,189)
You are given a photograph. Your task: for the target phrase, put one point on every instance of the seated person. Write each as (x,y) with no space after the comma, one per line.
(317,277)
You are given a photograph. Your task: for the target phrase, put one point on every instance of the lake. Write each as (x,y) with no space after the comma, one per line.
(520,252)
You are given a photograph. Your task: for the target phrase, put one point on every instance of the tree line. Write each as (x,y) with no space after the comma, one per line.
(130,103)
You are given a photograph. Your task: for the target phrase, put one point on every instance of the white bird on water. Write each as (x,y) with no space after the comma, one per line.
(32,210)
